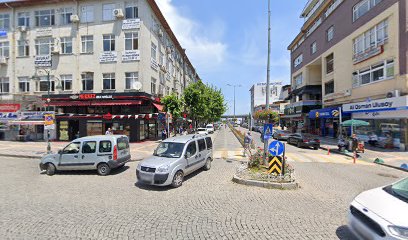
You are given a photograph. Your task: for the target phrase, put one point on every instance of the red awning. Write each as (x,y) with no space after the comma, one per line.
(69,103)
(116,103)
(159,107)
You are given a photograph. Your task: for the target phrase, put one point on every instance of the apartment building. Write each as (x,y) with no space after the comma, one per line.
(258,95)
(106,64)
(350,59)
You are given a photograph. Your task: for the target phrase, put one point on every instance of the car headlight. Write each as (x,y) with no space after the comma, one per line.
(163,168)
(399,231)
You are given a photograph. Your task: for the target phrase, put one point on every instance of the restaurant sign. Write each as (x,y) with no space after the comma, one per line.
(5,107)
(108,57)
(88,96)
(386,104)
(131,55)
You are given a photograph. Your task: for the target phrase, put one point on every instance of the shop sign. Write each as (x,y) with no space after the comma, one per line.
(43,32)
(42,61)
(88,96)
(394,103)
(324,113)
(34,115)
(130,24)
(9,116)
(381,115)
(131,55)
(49,121)
(108,57)
(154,64)
(5,107)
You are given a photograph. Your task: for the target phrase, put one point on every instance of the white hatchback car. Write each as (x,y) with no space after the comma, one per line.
(381,213)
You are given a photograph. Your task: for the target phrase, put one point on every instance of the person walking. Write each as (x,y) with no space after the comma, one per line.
(247,142)
(164,134)
(108,132)
(354,144)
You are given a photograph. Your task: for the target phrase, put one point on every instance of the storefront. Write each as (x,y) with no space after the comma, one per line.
(132,114)
(388,120)
(296,115)
(326,121)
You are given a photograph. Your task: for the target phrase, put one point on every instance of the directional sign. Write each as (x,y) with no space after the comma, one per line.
(276,165)
(268,129)
(276,148)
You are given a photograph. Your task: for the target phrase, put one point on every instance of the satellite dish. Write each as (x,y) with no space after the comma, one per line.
(137,85)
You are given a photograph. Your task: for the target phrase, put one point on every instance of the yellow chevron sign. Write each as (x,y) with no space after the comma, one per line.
(276,165)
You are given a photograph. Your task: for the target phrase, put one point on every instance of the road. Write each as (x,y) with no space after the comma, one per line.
(82,205)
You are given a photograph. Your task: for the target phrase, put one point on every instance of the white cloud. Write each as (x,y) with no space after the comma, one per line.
(201,44)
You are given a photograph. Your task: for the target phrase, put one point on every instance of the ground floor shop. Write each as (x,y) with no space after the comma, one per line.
(326,122)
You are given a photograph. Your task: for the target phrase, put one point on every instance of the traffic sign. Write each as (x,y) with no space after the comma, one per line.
(276,165)
(268,129)
(276,148)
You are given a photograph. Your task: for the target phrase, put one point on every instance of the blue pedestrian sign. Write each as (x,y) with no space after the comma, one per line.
(276,148)
(268,130)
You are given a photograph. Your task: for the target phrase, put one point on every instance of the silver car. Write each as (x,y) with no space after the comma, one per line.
(174,159)
(102,153)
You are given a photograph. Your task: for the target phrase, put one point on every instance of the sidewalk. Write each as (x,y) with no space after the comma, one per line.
(393,158)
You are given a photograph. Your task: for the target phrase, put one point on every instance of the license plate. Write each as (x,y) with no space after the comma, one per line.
(146,177)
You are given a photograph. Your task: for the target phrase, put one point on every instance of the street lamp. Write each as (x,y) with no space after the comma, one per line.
(58,87)
(233,85)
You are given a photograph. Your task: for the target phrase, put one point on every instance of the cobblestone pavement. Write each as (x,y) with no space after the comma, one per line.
(82,205)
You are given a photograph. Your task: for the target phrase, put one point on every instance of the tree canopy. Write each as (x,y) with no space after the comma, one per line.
(173,104)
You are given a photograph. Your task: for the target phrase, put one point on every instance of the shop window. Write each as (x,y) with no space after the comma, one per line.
(329,63)
(105,146)
(63,131)
(142,130)
(329,87)
(44,18)
(94,128)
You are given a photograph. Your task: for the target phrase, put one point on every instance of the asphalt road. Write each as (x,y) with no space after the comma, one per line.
(82,205)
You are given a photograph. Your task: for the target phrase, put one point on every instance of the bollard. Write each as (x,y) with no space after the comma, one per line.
(328,150)
(354,157)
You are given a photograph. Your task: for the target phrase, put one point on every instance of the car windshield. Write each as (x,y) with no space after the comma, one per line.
(169,150)
(201,129)
(400,189)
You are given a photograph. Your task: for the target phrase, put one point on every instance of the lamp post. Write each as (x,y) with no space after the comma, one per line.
(268,76)
(234,86)
(58,87)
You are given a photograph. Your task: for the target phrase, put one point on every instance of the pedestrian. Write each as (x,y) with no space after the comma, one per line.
(247,142)
(108,132)
(164,134)
(373,139)
(354,143)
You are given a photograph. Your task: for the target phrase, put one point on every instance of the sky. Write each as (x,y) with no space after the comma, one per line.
(227,41)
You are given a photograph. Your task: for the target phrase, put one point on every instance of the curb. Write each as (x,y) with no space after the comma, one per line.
(391,166)
(268,185)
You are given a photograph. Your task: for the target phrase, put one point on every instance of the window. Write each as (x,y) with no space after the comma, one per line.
(105,146)
(191,149)
(4,85)
(89,147)
(66,16)
(330,33)
(44,18)
(66,82)
(4,49)
(66,45)
(131,78)
(363,7)
(87,81)
(376,72)
(107,12)
(167,91)
(131,11)
(329,87)
(161,58)
(299,80)
(161,77)
(371,38)
(132,41)
(43,46)
(72,148)
(23,48)
(24,84)
(313,48)
(43,85)
(298,60)
(329,63)
(153,51)
(209,142)
(108,81)
(23,19)
(109,43)
(201,145)
(4,21)
(87,44)
(153,86)
(87,14)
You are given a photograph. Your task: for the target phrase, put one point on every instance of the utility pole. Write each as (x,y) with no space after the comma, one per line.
(268,77)
(231,85)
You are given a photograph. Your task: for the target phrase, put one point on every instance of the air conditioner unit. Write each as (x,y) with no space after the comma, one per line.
(22,28)
(118,13)
(3,60)
(395,93)
(74,18)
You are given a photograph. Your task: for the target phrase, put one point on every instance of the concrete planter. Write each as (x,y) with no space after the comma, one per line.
(269,185)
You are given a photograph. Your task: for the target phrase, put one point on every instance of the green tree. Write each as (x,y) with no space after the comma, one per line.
(173,104)
(266,115)
(216,105)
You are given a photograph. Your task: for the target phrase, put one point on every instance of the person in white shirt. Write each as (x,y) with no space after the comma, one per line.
(372,139)
(108,132)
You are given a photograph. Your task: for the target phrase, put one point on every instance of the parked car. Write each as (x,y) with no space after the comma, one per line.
(102,153)
(304,140)
(210,128)
(381,213)
(202,131)
(281,134)
(174,159)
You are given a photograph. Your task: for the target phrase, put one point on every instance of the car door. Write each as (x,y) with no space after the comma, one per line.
(88,155)
(202,153)
(191,156)
(69,156)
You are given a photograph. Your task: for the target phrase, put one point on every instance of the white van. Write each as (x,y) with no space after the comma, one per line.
(210,128)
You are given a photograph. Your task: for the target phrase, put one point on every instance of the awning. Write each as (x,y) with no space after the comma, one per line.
(69,103)
(38,122)
(158,106)
(116,103)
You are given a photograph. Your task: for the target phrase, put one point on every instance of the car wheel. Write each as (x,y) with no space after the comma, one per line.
(207,165)
(103,169)
(50,169)
(177,179)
